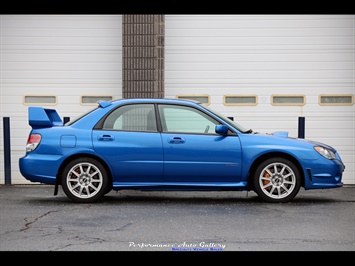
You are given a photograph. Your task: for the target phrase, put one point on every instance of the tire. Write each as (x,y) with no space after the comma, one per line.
(108,188)
(85,180)
(277,180)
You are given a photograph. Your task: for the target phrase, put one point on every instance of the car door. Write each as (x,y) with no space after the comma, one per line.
(193,152)
(130,143)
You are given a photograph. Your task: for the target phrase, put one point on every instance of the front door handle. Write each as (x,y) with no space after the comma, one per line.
(176,140)
(105,137)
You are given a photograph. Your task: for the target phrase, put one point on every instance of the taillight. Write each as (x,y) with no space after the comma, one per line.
(32,142)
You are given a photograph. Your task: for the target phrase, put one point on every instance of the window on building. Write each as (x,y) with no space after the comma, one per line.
(40,100)
(202,98)
(93,99)
(336,99)
(240,100)
(288,100)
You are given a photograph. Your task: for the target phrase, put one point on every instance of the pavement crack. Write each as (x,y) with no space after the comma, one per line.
(124,227)
(30,221)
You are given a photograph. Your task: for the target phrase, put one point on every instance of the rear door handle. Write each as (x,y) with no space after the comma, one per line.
(105,137)
(176,140)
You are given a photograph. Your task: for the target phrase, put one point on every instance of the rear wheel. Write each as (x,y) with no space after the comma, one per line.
(277,180)
(84,180)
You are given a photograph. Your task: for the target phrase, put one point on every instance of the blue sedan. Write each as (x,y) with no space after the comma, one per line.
(170,144)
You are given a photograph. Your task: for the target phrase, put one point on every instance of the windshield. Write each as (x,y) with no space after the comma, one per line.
(229,121)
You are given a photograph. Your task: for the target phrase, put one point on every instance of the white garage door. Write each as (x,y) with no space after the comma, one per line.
(60,61)
(268,70)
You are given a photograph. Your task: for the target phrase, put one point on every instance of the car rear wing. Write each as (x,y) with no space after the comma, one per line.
(39,117)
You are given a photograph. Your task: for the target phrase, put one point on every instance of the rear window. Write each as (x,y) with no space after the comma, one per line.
(80,117)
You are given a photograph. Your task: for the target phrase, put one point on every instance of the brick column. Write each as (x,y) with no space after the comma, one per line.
(143,56)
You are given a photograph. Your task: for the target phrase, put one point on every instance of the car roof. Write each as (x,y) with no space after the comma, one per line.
(155,100)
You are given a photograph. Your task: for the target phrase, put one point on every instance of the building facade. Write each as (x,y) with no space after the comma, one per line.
(265,71)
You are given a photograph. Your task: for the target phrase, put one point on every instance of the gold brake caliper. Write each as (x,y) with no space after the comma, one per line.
(266,175)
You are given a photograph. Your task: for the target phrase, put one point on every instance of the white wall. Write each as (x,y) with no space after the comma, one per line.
(63,55)
(265,55)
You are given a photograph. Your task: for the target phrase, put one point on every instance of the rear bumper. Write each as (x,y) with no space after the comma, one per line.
(40,168)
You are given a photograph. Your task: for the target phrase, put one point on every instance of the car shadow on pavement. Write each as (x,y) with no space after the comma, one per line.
(181,197)
(45,195)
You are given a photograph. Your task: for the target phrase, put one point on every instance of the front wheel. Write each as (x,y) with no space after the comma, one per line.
(277,180)
(84,180)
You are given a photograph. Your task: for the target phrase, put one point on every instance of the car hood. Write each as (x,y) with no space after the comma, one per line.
(284,134)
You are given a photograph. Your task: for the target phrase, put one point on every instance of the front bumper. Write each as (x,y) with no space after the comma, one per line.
(326,174)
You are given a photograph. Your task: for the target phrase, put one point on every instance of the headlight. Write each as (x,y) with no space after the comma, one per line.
(325,152)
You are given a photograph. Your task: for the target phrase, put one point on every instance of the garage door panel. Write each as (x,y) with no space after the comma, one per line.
(264,55)
(62,56)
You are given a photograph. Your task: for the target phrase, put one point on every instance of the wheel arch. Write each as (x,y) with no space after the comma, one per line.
(80,155)
(266,156)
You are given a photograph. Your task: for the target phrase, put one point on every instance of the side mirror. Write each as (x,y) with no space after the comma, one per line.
(221,130)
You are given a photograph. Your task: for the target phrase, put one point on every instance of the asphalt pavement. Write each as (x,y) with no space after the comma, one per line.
(33,219)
